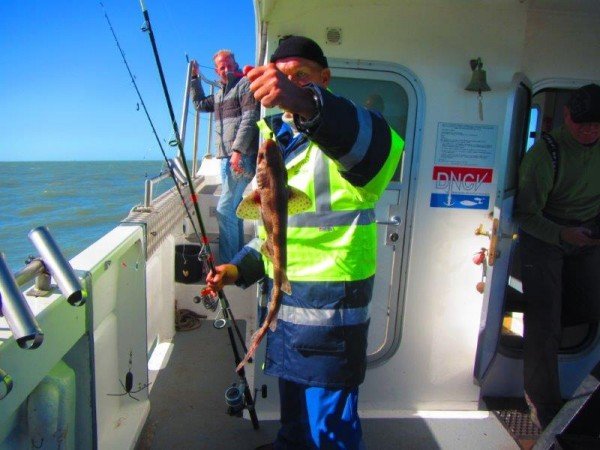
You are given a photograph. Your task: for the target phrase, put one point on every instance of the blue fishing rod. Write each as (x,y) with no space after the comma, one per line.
(238,396)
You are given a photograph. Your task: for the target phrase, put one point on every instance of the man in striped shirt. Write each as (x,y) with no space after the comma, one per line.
(235,115)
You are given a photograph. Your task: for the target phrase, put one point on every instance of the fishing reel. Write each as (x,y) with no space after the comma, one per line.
(208,298)
(236,400)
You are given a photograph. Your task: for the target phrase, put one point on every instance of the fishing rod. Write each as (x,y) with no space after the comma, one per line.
(233,395)
(193,196)
(169,165)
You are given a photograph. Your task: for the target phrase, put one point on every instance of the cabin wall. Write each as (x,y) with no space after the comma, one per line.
(69,392)
(435,40)
(116,266)
(574,53)
(160,294)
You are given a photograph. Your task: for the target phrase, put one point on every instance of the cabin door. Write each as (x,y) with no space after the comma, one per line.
(501,229)
(387,89)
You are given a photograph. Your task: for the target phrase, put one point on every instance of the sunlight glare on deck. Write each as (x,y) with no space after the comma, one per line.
(423,414)
(452,414)
(160,356)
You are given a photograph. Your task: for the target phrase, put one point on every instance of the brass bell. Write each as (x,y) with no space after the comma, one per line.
(478,78)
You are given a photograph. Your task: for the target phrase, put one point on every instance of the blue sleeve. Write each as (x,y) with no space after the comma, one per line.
(357,139)
(250,266)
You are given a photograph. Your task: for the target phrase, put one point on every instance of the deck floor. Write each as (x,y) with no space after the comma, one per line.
(188,409)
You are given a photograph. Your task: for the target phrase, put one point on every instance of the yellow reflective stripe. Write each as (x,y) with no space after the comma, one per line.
(337,252)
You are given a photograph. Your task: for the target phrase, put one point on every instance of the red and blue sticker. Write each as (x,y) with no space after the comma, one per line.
(461,187)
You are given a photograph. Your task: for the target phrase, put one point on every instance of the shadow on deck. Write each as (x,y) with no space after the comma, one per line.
(188,409)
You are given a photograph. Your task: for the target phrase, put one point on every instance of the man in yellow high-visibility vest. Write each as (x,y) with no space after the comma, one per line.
(342,156)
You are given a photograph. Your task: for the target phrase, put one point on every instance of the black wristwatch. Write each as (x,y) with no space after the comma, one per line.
(311,124)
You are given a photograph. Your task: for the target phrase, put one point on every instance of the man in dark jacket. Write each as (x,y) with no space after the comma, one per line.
(558,209)
(235,115)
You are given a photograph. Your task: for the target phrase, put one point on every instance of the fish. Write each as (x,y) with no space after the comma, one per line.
(272,201)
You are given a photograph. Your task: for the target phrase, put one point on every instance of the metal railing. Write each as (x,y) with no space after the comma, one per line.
(149,187)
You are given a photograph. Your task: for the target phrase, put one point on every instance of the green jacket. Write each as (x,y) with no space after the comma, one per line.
(574,197)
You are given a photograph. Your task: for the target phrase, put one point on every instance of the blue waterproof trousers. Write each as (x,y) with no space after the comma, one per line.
(231,228)
(318,418)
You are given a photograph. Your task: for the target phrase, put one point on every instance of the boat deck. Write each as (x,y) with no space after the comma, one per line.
(188,409)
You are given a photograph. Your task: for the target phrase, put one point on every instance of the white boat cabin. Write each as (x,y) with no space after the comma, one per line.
(445,329)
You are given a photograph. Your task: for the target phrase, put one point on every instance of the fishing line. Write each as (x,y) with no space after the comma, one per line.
(206,67)
(225,308)
(172,173)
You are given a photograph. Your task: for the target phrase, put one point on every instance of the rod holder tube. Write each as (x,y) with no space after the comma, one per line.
(148,188)
(21,321)
(29,272)
(59,267)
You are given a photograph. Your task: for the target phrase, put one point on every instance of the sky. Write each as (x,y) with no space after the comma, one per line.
(65,93)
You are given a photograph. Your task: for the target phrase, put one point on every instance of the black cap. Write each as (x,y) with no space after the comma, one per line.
(584,104)
(300,47)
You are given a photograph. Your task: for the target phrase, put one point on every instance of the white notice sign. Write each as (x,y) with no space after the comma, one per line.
(461,144)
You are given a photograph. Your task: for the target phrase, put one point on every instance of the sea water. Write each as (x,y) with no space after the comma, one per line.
(79,201)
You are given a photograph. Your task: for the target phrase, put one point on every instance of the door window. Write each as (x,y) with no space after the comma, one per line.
(386,97)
